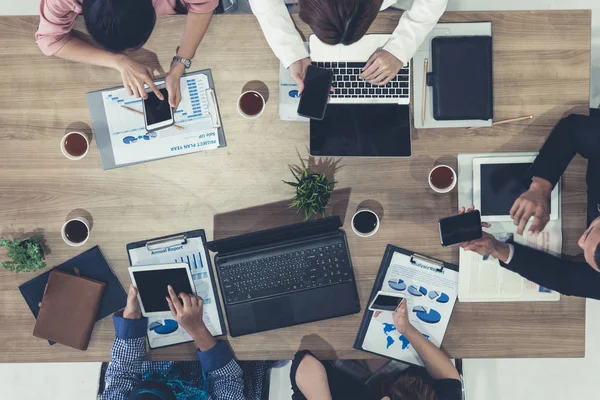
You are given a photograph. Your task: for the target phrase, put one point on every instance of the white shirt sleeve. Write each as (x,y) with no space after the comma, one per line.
(279,30)
(413,27)
(510,254)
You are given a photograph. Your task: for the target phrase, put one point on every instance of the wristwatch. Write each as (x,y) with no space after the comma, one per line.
(185,61)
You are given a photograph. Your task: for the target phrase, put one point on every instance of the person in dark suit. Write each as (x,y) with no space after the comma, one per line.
(575,134)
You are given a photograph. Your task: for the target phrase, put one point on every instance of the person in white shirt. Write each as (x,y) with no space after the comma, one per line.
(345,22)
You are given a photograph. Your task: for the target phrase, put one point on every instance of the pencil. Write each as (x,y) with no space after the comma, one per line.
(141,113)
(507,121)
(424,107)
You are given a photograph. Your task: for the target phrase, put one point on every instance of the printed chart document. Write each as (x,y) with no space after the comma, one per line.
(431,295)
(487,281)
(164,330)
(197,114)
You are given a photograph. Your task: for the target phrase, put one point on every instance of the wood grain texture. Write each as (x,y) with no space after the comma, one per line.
(541,67)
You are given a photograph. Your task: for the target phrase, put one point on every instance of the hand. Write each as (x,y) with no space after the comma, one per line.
(188,314)
(172,82)
(486,245)
(134,76)
(534,202)
(401,321)
(381,68)
(298,72)
(132,309)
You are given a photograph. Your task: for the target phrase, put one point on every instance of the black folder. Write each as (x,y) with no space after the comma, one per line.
(461,78)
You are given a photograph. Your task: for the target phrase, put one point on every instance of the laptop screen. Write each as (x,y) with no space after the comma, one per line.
(362,130)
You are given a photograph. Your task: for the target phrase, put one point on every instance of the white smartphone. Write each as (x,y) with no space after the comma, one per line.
(151,282)
(158,113)
(386,301)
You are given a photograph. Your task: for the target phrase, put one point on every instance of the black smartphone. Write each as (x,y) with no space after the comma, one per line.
(460,228)
(313,100)
(386,302)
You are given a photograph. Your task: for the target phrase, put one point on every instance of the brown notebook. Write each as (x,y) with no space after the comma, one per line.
(68,309)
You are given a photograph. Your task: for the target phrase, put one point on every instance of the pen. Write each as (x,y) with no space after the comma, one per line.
(424,108)
(141,113)
(506,121)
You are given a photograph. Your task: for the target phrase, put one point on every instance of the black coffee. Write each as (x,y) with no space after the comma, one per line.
(76,231)
(365,222)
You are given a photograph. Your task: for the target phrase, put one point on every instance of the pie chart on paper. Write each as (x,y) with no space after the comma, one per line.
(430,317)
(397,284)
(414,291)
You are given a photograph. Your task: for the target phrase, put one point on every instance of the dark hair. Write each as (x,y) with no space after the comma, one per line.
(119,25)
(408,388)
(151,390)
(339,21)
(597,256)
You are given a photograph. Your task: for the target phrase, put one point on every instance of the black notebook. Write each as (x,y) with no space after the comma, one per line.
(461,78)
(91,264)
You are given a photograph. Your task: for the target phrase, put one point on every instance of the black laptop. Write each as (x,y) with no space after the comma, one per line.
(285,276)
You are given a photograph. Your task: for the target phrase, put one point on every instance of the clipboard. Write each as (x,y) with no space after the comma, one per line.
(416,259)
(103,136)
(167,243)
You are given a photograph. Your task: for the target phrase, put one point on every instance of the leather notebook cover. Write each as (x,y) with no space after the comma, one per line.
(462,78)
(68,311)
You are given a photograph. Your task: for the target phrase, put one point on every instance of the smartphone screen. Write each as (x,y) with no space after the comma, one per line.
(157,110)
(460,228)
(313,100)
(386,303)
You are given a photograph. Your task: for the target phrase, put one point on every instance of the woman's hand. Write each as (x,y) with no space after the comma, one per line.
(381,68)
(401,321)
(172,82)
(132,309)
(134,76)
(298,71)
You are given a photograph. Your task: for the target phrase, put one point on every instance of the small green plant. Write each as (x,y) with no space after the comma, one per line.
(313,192)
(25,256)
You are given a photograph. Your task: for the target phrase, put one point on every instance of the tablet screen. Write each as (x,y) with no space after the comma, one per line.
(152,287)
(501,185)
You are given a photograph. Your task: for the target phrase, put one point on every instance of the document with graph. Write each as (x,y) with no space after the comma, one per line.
(430,287)
(123,139)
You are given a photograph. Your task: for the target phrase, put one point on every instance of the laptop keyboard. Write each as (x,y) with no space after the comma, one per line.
(351,88)
(285,273)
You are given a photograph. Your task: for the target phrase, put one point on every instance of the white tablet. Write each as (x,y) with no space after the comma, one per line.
(151,282)
(499,181)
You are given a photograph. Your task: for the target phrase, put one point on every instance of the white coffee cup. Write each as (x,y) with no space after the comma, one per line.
(248,116)
(365,234)
(70,242)
(66,153)
(446,189)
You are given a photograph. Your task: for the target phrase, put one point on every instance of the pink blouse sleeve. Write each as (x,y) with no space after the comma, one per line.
(201,6)
(57,18)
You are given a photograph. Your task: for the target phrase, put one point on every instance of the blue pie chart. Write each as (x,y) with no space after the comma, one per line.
(398,285)
(419,309)
(433,294)
(414,291)
(431,317)
(423,291)
(443,298)
(169,326)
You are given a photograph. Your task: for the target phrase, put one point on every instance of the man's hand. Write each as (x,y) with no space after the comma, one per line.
(132,309)
(298,71)
(381,68)
(187,312)
(488,244)
(533,203)
(401,321)
(172,83)
(134,76)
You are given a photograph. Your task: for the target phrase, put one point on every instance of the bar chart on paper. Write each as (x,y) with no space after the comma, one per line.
(131,142)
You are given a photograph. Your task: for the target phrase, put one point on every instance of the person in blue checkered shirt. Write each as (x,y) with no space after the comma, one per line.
(217,376)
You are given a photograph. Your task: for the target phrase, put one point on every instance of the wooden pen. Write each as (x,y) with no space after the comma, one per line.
(507,121)
(141,113)
(424,107)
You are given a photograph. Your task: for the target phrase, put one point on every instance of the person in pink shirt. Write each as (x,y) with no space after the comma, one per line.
(119,25)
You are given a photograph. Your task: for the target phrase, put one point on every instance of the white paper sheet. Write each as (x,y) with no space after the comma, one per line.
(194,255)
(433,291)
(132,143)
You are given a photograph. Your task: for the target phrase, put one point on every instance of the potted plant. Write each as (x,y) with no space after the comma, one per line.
(313,192)
(25,255)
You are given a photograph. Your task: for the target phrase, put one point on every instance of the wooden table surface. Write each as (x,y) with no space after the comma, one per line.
(541,67)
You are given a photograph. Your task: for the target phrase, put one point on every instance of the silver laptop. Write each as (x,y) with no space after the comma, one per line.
(347,62)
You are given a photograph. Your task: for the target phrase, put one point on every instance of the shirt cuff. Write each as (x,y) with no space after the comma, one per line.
(397,51)
(215,358)
(202,7)
(130,328)
(511,253)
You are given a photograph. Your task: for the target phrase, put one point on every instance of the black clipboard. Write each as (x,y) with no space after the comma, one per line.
(378,285)
(180,239)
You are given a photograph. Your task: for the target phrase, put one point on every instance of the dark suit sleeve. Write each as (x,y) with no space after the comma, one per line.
(573,134)
(566,277)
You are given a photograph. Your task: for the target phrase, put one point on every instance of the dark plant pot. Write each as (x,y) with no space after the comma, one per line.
(40,246)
